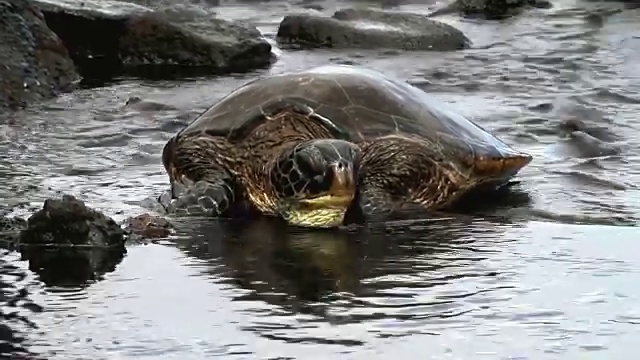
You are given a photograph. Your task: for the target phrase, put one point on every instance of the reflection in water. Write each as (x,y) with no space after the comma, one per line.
(345,277)
(261,290)
(71,267)
(14,305)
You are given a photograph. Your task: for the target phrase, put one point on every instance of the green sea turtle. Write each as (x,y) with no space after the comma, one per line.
(307,146)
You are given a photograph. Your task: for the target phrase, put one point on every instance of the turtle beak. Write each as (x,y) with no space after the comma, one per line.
(342,191)
(343,185)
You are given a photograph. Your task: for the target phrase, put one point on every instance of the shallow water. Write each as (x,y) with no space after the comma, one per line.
(547,279)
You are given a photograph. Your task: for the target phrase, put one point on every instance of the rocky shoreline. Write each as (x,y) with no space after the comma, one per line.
(50,46)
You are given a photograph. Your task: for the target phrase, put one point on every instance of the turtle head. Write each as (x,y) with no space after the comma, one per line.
(315,182)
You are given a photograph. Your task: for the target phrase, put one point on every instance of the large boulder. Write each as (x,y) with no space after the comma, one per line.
(490,9)
(34,64)
(370,29)
(68,222)
(108,38)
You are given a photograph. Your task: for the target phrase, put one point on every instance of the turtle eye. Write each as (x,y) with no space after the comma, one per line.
(314,174)
(319,183)
(303,162)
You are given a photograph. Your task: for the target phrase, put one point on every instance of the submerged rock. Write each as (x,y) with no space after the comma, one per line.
(584,141)
(371,29)
(69,222)
(34,64)
(491,9)
(589,146)
(107,38)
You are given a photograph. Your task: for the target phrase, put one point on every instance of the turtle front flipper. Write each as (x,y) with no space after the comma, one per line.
(375,202)
(212,196)
(199,185)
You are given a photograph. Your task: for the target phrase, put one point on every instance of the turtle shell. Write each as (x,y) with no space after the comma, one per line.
(359,104)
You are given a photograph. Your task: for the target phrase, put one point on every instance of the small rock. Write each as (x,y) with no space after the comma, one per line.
(370,29)
(107,38)
(34,64)
(68,221)
(148,226)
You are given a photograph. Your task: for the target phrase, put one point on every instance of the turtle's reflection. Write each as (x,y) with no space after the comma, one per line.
(295,268)
(279,264)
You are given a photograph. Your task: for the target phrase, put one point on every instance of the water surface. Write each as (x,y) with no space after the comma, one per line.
(552,277)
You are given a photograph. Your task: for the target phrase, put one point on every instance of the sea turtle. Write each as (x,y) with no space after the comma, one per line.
(308,145)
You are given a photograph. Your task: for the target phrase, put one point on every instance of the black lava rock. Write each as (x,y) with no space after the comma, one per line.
(68,221)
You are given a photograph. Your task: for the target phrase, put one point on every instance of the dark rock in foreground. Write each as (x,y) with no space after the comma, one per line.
(69,222)
(107,38)
(371,29)
(34,64)
(67,243)
(491,9)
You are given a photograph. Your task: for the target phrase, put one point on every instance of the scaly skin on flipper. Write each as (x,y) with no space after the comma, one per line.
(199,185)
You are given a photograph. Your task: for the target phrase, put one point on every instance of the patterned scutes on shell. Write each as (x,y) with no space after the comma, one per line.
(362,104)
